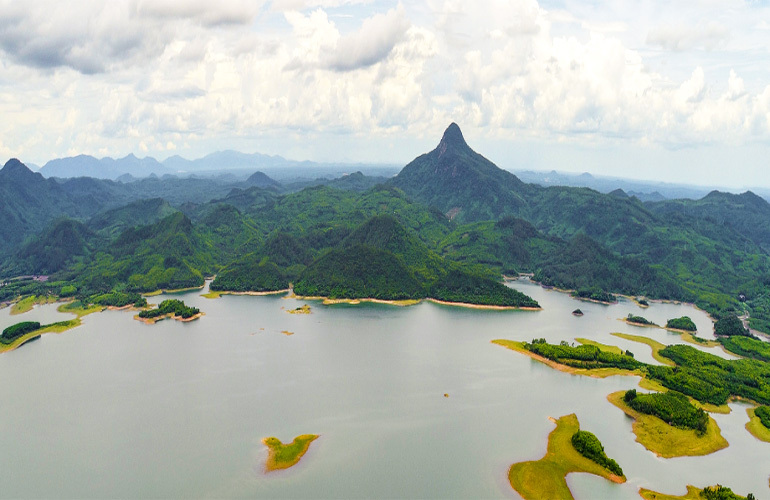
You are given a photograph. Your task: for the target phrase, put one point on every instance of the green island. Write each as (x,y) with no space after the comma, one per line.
(546,478)
(642,302)
(283,456)
(684,323)
(716,492)
(759,422)
(19,334)
(170,308)
(671,407)
(638,321)
(577,312)
(666,440)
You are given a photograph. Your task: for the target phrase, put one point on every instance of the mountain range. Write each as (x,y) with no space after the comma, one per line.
(476,219)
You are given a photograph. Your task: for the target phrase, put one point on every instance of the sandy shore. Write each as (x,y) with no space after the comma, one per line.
(481,306)
(216,295)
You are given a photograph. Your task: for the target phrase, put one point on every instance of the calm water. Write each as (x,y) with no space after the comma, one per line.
(116,408)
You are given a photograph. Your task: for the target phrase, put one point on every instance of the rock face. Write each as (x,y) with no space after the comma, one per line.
(461,182)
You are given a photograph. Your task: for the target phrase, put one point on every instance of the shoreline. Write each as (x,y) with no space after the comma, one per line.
(217,294)
(408,302)
(176,290)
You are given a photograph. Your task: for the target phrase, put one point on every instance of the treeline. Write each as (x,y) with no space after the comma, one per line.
(119,299)
(729,326)
(13,332)
(593,294)
(582,356)
(683,323)
(170,306)
(671,407)
(588,445)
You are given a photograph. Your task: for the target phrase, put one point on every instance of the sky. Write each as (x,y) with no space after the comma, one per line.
(646,89)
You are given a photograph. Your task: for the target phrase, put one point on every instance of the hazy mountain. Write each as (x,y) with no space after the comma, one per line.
(261,180)
(105,168)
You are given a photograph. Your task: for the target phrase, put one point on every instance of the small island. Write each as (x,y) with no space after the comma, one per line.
(171,308)
(638,321)
(546,478)
(283,456)
(641,302)
(683,324)
(696,434)
(577,312)
(716,492)
(304,309)
(19,334)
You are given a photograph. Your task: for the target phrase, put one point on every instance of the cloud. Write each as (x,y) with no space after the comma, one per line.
(707,36)
(371,43)
(207,12)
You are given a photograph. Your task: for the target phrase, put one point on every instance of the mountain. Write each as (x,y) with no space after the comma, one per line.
(460,182)
(105,168)
(54,248)
(139,213)
(225,160)
(261,180)
(28,203)
(747,213)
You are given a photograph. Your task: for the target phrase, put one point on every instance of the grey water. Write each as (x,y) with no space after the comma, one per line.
(117,408)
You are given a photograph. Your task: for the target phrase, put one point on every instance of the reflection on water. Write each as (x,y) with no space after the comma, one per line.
(117,408)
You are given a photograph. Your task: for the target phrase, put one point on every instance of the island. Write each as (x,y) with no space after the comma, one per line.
(683,324)
(546,478)
(304,309)
(716,492)
(638,321)
(283,456)
(170,308)
(19,334)
(577,312)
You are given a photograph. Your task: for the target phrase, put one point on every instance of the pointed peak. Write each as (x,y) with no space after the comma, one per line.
(14,166)
(453,136)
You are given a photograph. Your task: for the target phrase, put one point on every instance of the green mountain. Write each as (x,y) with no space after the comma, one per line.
(461,182)
(139,213)
(57,246)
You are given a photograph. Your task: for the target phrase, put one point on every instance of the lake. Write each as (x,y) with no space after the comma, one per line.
(116,408)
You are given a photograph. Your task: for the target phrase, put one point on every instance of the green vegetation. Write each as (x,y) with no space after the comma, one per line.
(461,286)
(638,320)
(711,379)
(757,425)
(716,492)
(671,407)
(683,323)
(577,312)
(747,347)
(642,302)
(545,478)
(729,326)
(595,295)
(666,440)
(763,413)
(583,356)
(13,332)
(283,456)
(27,303)
(588,445)
(604,347)
(119,299)
(171,307)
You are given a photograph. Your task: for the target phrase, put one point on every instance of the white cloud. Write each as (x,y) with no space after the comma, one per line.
(90,77)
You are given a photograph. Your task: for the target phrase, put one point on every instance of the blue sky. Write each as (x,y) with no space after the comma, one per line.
(672,91)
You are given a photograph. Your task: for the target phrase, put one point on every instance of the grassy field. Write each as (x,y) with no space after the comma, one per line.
(654,344)
(597,372)
(27,303)
(667,441)
(604,347)
(755,427)
(283,456)
(545,478)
